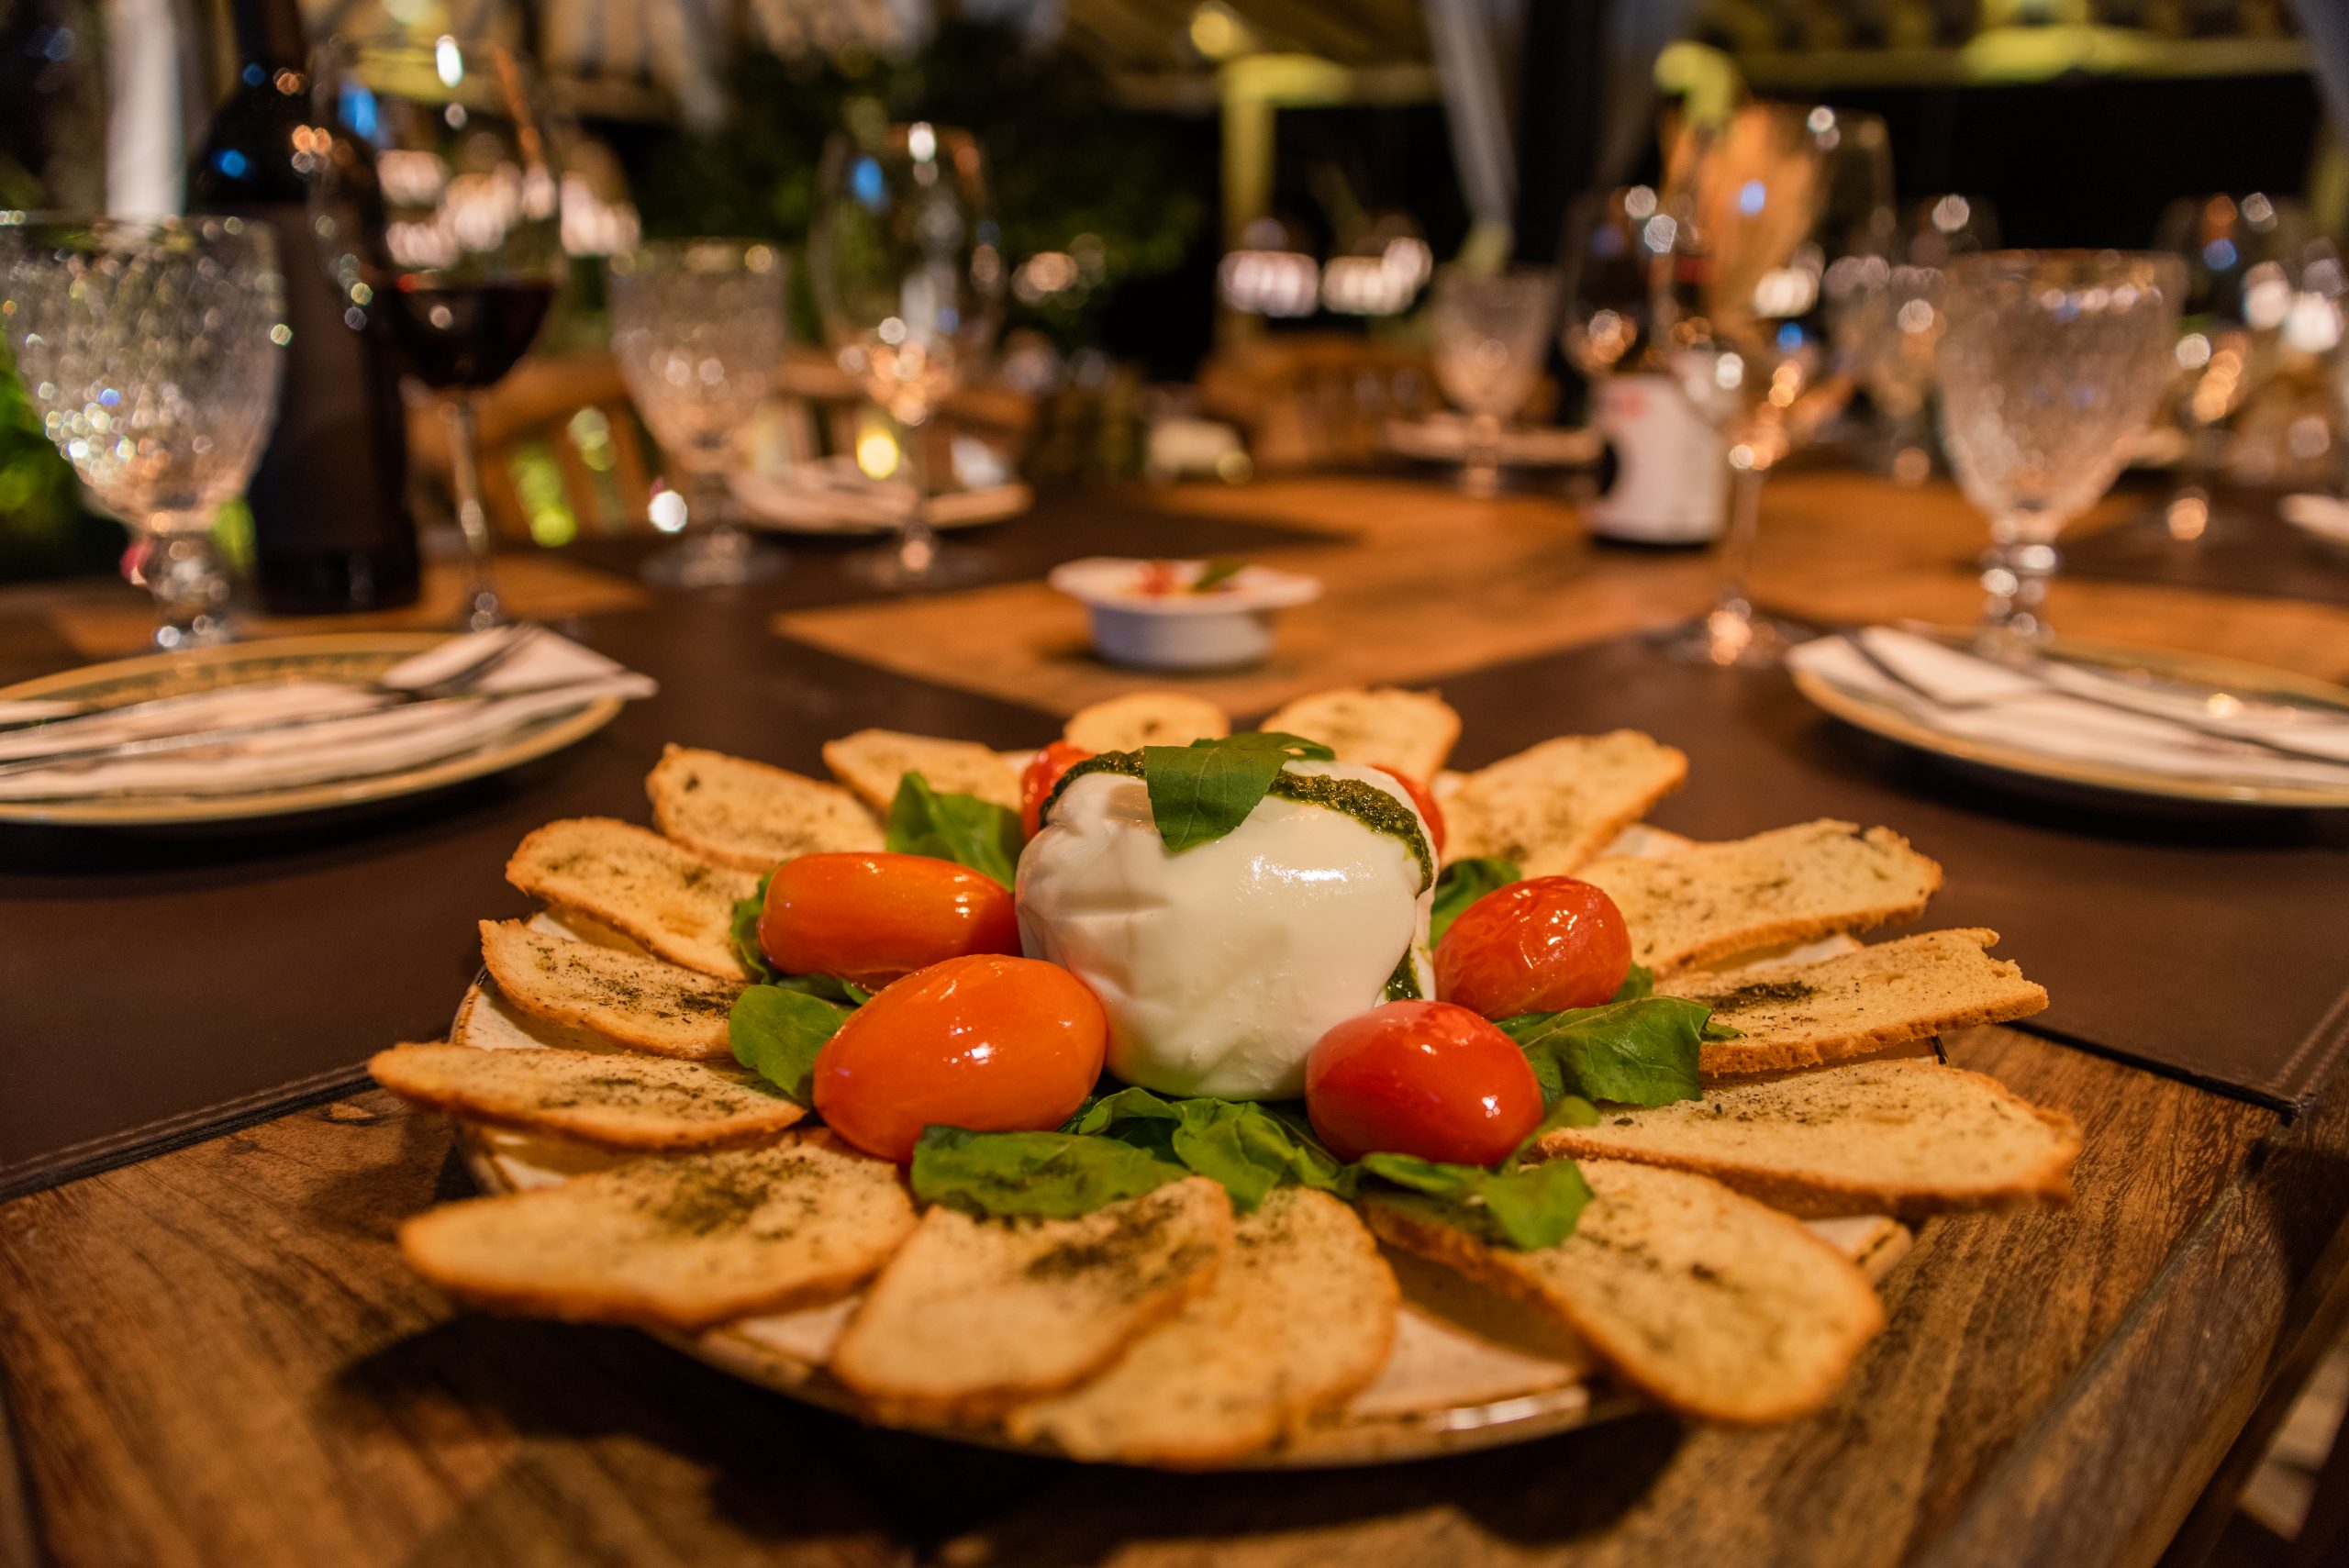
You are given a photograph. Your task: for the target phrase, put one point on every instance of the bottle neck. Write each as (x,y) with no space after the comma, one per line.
(269,36)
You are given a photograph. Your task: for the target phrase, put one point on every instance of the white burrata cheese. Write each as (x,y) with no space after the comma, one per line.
(1220,967)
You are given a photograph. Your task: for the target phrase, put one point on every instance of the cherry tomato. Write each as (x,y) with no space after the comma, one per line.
(1424,800)
(1537,946)
(873,918)
(1045,771)
(1423,1078)
(988,1043)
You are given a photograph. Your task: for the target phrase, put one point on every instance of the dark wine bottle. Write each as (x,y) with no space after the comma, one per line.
(331,528)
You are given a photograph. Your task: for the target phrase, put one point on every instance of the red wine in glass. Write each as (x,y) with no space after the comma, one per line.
(460,334)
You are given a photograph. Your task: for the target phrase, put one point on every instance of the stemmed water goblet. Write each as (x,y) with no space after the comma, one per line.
(153,351)
(1492,330)
(908,277)
(2050,365)
(698,327)
(436,203)
(1887,318)
(1763,205)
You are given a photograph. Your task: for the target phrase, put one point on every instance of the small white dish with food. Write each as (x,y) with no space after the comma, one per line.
(1182,615)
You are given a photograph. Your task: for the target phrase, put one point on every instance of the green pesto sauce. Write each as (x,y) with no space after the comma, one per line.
(1403,986)
(1365,803)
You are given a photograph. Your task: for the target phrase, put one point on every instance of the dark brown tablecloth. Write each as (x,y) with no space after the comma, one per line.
(2245,549)
(2214,946)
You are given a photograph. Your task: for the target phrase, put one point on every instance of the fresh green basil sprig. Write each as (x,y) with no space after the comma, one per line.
(1462,883)
(959,828)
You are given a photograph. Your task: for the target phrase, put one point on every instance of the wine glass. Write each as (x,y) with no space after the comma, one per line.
(1762,204)
(1887,318)
(908,278)
(436,208)
(1491,332)
(698,327)
(153,350)
(2051,365)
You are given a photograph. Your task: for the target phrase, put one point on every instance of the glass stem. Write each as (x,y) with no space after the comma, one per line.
(2015,574)
(481,609)
(1481,473)
(1737,543)
(713,507)
(182,570)
(917,542)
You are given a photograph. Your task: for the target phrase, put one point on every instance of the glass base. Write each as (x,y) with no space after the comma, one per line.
(725,560)
(484,611)
(1731,637)
(943,566)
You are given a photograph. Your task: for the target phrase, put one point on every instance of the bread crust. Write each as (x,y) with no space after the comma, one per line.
(569,864)
(820,817)
(670,1027)
(423,1075)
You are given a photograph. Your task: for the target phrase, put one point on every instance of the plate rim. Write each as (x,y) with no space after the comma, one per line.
(559,734)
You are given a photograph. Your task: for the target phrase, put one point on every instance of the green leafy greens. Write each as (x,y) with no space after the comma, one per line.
(1638,981)
(1216,573)
(1465,882)
(1640,1052)
(1241,1144)
(959,828)
(1040,1175)
(1527,1207)
(777,1033)
(1201,792)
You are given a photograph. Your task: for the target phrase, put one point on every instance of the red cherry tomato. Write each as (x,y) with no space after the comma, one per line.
(992,1044)
(1537,946)
(1421,798)
(1423,1078)
(873,918)
(1045,771)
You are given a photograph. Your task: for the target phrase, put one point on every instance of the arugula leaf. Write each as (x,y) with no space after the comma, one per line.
(1201,792)
(959,828)
(1043,1175)
(742,930)
(1241,1144)
(1465,882)
(1531,1208)
(777,1033)
(1638,982)
(1640,1052)
(1217,572)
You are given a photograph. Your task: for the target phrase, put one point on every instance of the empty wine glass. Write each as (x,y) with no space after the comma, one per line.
(908,277)
(1763,205)
(1888,319)
(697,326)
(2052,362)
(153,350)
(1492,332)
(437,206)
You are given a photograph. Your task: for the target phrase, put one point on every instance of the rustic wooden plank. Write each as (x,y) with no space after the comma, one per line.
(218,1356)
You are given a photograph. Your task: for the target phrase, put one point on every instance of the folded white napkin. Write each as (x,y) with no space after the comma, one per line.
(2069,711)
(281,734)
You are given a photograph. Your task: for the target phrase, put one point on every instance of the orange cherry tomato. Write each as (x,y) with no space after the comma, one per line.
(1537,946)
(1421,798)
(988,1043)
(1045,771)
(873,917)
(1423,1078)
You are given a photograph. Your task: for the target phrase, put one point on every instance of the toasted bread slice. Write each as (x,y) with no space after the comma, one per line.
(682,1241)
(734,812)
(1146,719)
(975,1315)
(1902,1138)
(1412,732)
(618,1099)
(1555,806)
(677,905)
(1807,1014)
(1299,1317)
(1791,884)
(1709,1303)
(870,761)
(642,1002)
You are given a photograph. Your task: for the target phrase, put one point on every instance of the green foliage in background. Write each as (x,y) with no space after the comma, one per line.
(45,531)
(1065,160)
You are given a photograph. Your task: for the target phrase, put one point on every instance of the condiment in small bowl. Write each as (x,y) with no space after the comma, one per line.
(1182,615)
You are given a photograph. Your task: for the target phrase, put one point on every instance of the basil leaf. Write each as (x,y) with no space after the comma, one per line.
(1201,792)
(1638,982)
(1535,1206)
(1640,1052)
(777,1033)
(742,930)
(1238,1143)
(1217,572)
(959,828)
(1462,883)
(1572,1110)
(1041,1176)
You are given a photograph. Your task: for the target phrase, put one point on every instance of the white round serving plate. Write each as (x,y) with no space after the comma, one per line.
(837,501)
(356,658)
(1468,1369)
(1884,717)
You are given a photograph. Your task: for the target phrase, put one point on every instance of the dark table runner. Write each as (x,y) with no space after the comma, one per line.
(158,987)
(2210,946)
(2247,549)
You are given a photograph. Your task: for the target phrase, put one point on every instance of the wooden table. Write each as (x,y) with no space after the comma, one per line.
(214,1356)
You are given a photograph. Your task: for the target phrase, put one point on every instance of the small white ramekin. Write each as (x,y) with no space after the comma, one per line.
(1222,629)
